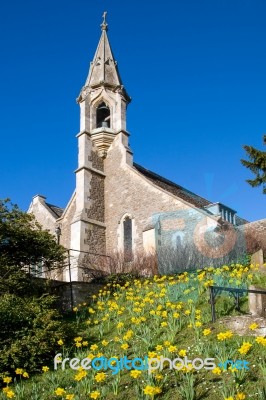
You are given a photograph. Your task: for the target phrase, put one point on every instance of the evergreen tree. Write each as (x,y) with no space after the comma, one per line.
(257,165)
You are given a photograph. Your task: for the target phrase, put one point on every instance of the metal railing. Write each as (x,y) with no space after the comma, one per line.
(66,265)
(215,290)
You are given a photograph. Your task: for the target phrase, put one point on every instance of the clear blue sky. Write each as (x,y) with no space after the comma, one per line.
(195,71)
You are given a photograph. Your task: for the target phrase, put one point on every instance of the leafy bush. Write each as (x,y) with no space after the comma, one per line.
(23,242)
(29,331)
(17,281)
(30,326)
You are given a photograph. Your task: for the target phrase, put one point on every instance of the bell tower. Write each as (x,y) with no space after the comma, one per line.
(103,101)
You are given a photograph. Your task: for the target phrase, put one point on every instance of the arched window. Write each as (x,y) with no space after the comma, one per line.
(103,116)
(127,239)
(177,240)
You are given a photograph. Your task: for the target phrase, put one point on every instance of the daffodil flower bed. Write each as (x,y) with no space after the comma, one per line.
(163,316)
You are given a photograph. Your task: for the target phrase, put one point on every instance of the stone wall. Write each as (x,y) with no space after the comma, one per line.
(257,302)
(81,292)
(96,160)
(96,210)
(95,238)
(255,233)
(129,192)
(257,258)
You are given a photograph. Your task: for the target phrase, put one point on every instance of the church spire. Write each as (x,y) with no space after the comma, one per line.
(103,68)
(103,100)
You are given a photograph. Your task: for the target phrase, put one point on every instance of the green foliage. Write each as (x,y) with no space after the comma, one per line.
(245,260)
(16,281)
(29,331)
(121,278)
(23,242)
(259,279)
(257,165)
(30,326)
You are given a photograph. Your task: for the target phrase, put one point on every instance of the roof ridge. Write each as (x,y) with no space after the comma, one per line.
(189,193)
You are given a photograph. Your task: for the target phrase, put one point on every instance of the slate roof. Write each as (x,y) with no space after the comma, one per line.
(241,221)
(173,188)
(180,191)
(58,211)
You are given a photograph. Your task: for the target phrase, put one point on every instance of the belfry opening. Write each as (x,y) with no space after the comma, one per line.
(103,116)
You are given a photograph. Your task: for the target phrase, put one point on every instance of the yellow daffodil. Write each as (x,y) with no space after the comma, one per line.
(60,391)
(19,371)
(240,396)
(134,373)
(216,371)
(70,396)
(10,394)
(182,353)
(253,326)
(244,349)
(261,340)
(100,377)
(7,379)
(95,395)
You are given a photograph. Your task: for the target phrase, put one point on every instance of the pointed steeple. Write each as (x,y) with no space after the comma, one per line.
(103,68)
(103,99)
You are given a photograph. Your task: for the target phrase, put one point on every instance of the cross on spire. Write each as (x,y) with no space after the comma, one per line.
(104,24)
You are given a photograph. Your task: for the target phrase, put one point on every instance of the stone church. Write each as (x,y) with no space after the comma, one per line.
(118,205)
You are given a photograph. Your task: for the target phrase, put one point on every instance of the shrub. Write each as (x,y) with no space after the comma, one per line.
(29,331)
